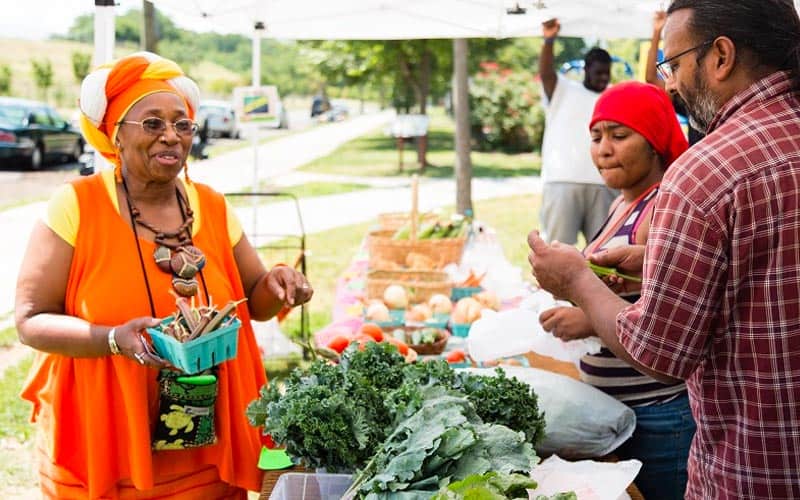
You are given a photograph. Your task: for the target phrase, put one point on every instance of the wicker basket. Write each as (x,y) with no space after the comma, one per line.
(392,221)
(385,251)
(420,285)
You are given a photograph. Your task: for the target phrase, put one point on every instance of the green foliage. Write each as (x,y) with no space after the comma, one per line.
(14,411)
(506,401)
(81,62)
(505,110)
(488,486)
(337,416)
(5,79)
(443,441)
(42,71)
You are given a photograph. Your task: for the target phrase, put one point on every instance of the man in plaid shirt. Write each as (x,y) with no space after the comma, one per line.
(720,304)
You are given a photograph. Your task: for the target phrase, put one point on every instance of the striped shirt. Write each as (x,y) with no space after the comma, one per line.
(604,370)
(720,302)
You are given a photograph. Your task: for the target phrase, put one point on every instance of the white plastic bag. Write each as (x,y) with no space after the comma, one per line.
(589,480)
(518,331)
(581,421)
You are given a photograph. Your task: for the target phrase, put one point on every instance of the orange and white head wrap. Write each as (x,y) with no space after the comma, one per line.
(109,92)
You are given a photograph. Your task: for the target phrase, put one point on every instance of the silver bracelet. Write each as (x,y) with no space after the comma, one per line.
(112,342)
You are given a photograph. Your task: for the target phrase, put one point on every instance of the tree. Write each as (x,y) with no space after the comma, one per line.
(149,40)
(5,79)
(81,62)
(43,75)
(463,167)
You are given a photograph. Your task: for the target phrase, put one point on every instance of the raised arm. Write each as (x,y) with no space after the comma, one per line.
(650,74)
(547,72)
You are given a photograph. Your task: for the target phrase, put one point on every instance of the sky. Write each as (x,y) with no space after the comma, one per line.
(39,19)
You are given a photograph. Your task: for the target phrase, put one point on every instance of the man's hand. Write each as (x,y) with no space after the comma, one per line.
(557,267)
(566,323)
(550,28)
(627,260)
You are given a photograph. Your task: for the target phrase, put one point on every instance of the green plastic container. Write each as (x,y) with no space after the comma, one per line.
(191,357)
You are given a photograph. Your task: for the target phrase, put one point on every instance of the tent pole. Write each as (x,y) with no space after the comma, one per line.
(103,51)
(258,31)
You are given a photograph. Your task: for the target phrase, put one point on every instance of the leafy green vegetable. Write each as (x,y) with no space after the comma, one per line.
(337,416)
(603,271)
(489,486)
(505,401)
(444,441)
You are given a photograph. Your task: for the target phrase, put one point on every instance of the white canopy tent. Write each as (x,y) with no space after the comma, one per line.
(407,19)
(401,19)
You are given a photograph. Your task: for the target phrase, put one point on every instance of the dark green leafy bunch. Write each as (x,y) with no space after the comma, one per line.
(444,441)
(506,401)
(333,416)
(337,416)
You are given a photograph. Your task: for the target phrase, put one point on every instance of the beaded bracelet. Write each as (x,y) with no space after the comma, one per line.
(112,342)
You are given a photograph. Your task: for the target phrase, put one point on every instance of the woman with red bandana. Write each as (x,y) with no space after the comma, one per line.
(100,269)
(635,136)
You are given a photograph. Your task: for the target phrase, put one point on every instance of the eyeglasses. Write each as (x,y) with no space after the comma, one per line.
(666,69)
(157,126)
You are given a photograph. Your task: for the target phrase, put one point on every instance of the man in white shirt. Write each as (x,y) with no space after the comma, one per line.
(575,199)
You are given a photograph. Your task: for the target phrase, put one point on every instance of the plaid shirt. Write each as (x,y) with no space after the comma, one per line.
(720,303)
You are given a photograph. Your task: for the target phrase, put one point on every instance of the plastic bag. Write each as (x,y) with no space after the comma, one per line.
(581,421)
(518,331)
(589,480)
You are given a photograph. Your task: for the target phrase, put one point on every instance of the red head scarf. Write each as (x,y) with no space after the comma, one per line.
(647,110)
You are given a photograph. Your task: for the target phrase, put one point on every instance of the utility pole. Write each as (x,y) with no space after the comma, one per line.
(148,41)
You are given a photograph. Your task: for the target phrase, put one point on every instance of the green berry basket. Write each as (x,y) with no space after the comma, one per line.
(194,356)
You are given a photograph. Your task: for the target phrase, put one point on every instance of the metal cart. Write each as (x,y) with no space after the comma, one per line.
(280,242)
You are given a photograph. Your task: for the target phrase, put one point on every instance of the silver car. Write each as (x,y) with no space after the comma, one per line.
(218,118)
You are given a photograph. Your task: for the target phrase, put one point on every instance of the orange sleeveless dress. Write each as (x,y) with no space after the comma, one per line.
(96,414)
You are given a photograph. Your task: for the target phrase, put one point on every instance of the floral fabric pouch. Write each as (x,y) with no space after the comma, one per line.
(186,410)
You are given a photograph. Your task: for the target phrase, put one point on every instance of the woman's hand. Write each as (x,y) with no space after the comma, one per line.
(289,286)
(566,323)
(132,341)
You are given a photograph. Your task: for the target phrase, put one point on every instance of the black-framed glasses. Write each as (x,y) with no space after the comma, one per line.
(666,69)
(157,126)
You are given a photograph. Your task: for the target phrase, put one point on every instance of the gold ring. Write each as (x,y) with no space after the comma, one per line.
(139,357)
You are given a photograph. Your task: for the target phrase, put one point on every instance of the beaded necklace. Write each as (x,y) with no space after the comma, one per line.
(174,252)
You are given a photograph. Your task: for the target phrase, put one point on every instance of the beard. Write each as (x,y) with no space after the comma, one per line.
(701,104)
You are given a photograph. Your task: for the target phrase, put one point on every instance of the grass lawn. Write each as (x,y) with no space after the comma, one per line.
(8,336)
(375,154)
(332,250)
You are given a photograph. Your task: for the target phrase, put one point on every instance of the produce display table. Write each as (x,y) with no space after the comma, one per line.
(347,317)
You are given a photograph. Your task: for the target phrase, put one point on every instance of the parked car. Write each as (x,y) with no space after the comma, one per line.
(219,117)
(33,132)
(339,111)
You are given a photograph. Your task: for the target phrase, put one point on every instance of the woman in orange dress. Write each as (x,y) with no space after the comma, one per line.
(100,269)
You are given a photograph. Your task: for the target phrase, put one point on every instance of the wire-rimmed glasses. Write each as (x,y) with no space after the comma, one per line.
(665,68)
(157,126)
